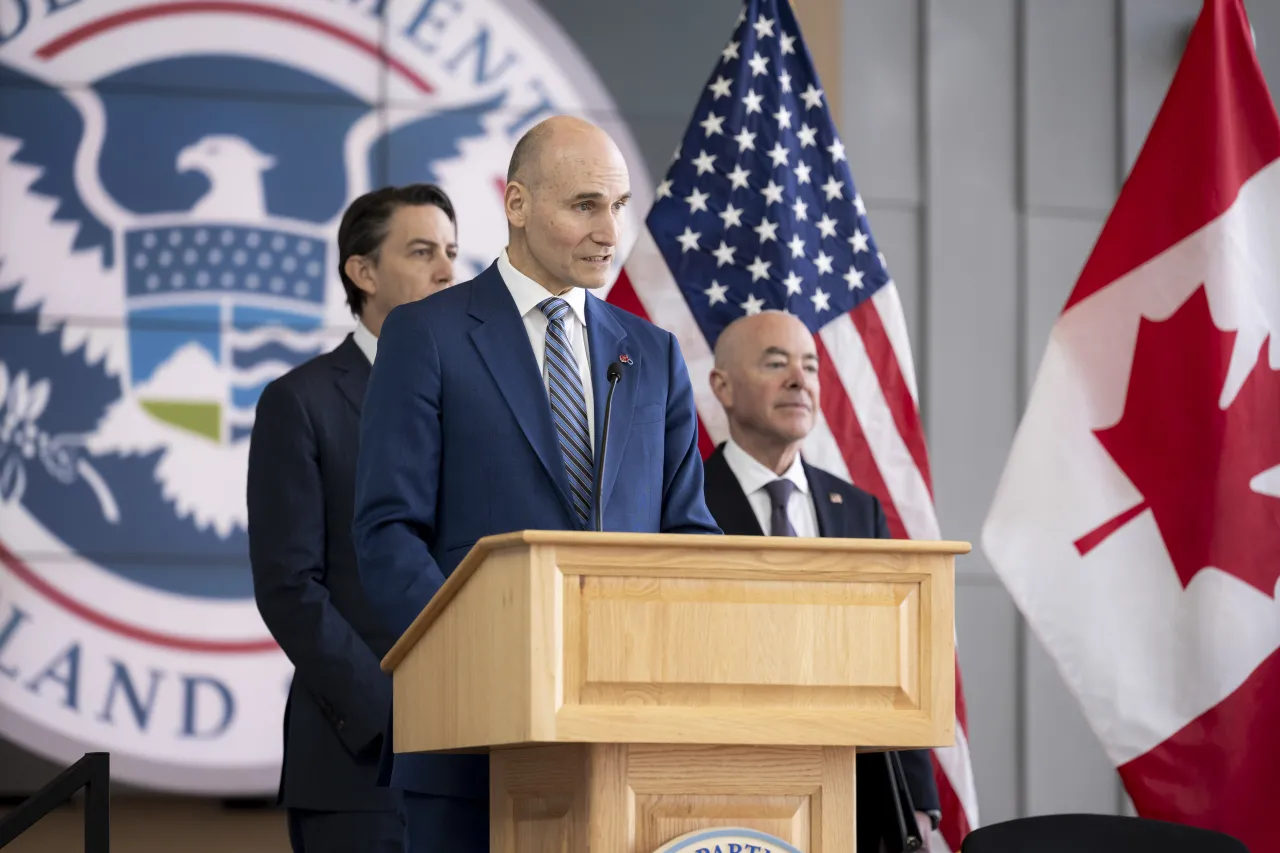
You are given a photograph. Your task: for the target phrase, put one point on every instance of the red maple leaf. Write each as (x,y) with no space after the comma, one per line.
(1191,459)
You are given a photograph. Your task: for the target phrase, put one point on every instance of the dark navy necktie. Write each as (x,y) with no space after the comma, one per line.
(779,494)
(568,406)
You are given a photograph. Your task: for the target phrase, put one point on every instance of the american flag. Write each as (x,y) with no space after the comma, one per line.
(759,211)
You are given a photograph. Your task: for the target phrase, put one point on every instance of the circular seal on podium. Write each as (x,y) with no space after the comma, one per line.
(727,839)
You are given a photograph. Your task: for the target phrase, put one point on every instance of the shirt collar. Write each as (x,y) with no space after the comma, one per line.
(527,293)
(366,340)
(754,476)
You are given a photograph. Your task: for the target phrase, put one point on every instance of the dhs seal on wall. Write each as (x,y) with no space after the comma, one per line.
(171,178)
(727,840)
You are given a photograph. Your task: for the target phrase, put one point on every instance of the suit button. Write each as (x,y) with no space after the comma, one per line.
(341,723)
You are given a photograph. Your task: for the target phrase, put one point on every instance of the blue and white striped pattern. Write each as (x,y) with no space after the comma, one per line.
(568,406)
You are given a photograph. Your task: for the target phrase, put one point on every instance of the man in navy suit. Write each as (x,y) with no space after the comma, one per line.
(394,245)
(766,379)
(485,414)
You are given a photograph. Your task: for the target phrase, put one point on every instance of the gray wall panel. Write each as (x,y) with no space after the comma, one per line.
(987,624)
(971,249)
(1065,766)
(880,99)
(1069,103)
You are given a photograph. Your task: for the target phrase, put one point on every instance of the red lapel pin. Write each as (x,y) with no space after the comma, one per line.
(836,498)
(624,358)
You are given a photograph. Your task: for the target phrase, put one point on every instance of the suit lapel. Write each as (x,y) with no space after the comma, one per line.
(605,340)
(726,500)
(504,346)
(352,371)
(831,523)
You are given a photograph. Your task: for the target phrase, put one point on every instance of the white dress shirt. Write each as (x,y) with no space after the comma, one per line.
(527,293)
(366,340)
(753,477)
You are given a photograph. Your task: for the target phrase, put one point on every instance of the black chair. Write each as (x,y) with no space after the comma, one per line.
(1096,833)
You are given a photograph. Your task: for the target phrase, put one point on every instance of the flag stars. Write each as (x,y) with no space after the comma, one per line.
(715,294)
(772,193)
(801,210)
(788,44)
(763,26)
(797,246)
(746,140)
(753,305)
(859,241)
(807,135)
(854,276)
(812,97)
(783,115)
(689,239)
(779,154)
(752,101)
(836,150)
(712,124)
(664,189)
(759,64)
(823,263)
(738,177)
(802,172)
(858,205)
(759,268)
(833,188)
(730,51)
(793,283)
(721,87)
(724,254)
(784,80)
(732,216)
(821,300)
(766,231)
(704,162)
(827,226)
(697,200)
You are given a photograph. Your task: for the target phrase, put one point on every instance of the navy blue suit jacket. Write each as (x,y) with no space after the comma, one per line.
(301,494)
(844,512)
(457,443)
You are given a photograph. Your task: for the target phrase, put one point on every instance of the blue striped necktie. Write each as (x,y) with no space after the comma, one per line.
(568,407)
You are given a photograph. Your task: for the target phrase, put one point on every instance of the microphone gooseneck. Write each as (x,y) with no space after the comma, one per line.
(614,374)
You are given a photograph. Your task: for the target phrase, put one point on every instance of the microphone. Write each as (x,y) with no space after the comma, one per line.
(613,374)
(904,809)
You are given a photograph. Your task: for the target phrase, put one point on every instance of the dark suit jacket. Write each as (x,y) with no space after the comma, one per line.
(857,516)
(301,490)
(457,443)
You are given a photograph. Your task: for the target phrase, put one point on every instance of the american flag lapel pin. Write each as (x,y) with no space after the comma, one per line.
(836,498)
(624,358)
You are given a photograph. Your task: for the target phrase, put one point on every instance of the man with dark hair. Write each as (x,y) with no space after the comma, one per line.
(487,416)
(395,245)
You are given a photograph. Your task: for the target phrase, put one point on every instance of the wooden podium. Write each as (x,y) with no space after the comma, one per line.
(632,688)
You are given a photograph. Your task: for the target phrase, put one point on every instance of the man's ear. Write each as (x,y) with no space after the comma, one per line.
(360,270)
(722,388)
(516,201)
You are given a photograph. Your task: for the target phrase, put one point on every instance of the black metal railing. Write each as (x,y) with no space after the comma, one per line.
(93,773)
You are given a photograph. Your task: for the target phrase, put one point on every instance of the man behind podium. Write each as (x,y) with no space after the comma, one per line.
(766,379)
(394,245)
(485,413)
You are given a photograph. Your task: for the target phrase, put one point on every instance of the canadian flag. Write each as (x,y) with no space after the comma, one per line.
(1137,523)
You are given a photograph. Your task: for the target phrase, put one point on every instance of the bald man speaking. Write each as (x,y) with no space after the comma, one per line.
(484,414)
